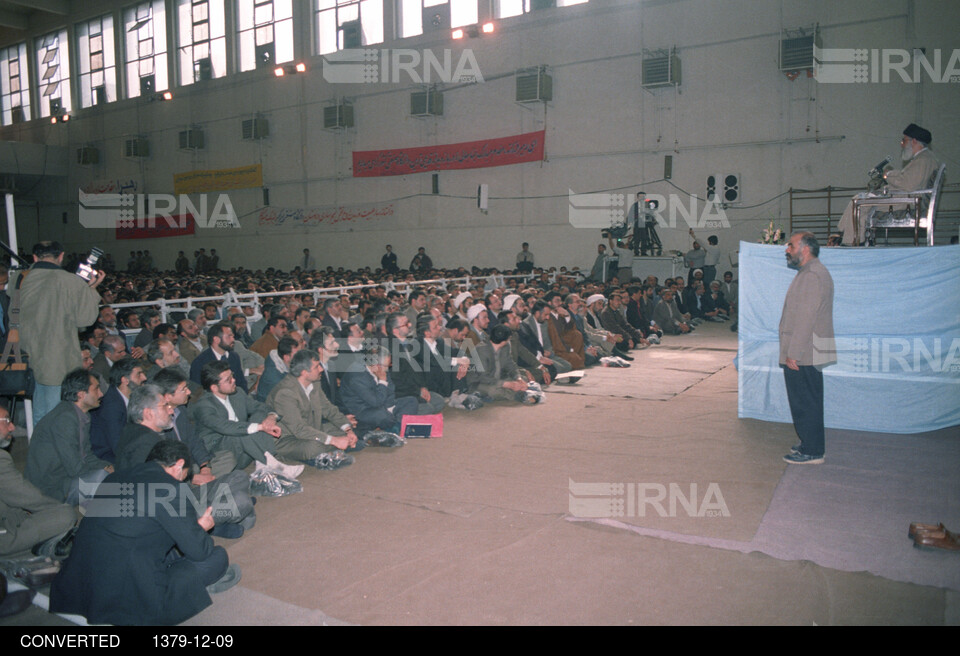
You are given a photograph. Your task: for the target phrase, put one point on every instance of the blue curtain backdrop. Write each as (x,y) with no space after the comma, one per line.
(896,316)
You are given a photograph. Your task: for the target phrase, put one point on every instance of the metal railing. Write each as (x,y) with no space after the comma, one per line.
(819,211)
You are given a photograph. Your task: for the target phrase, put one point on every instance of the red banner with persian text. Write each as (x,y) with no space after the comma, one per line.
(160,226)
(468,155)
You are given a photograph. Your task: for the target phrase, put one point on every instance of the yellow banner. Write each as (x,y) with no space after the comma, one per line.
(196,182)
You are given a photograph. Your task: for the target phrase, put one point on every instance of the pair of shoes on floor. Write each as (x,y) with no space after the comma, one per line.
(274,466)
(229,579)
(795,457)
(617,353)
(614,361)
(383,438)
(933,536)
(331,460)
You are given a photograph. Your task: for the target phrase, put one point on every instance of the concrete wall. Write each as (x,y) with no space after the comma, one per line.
(734,112)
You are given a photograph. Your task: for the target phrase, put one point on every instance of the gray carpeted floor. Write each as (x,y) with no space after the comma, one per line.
(479,528)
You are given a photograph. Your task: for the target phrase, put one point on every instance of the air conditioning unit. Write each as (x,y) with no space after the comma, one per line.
(254,128)
(536,5)
(203,69)
(265,55)
(136,147)
(436,18)
(724,188)
(426,103)
(351,35)
(534,85)
(661,68)
(797,48)
(56,106)
(338,116)
(99,95)
(16,114)
(191,139)
(87,155)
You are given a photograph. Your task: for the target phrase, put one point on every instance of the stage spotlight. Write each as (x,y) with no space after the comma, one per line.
(166,95)
(301,68)
(488,28)
(458,34)
(278,71)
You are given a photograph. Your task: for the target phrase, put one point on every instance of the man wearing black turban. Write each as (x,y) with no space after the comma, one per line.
(919,165)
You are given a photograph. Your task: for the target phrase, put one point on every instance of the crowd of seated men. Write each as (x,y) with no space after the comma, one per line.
(297,381)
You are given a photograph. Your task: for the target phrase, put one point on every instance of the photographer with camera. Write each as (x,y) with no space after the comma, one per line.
(54,305)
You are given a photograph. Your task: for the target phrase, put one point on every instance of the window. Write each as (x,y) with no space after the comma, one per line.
(145,35)
(96,61)
(265,32)
(53,73)
(14,84)
(202,44)
(348,24)
(508,8)
(461,12)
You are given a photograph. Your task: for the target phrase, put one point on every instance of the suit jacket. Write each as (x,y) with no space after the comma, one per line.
(667,317)
(266,343)
(102,368)
(107,423)
(615,322)
(437,372)
(369,400)
(187,350)
(117,572)
(806,325)
(492,367)
(60,451)
(306,418)
(529,338)
(18,496)
(271,375)
(213,423)
(207,356)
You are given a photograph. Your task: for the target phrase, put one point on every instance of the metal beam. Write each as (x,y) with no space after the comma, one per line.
(61,7)
(12,20)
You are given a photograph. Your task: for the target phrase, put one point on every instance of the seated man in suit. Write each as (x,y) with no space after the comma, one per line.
(668,317)
(227,418)
(407,373)
(370,395)
(112,349)
(495,375)
(221,339)
(535,336)
(152,420)
(151,565)
(191,343)
(60,460)
(107,421)
(277,366)
(307,416)
(442,372)
(28,518)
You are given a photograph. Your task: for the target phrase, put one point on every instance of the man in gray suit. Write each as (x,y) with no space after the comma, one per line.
(27,516)
(310,423)
(227,418)
(806,345)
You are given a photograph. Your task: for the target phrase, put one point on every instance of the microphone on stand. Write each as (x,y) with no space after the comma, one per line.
(877,170)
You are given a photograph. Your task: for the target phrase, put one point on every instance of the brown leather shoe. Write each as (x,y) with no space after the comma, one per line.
(947,542)
(917,527)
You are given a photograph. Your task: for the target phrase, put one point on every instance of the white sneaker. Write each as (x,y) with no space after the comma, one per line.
(277,467)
